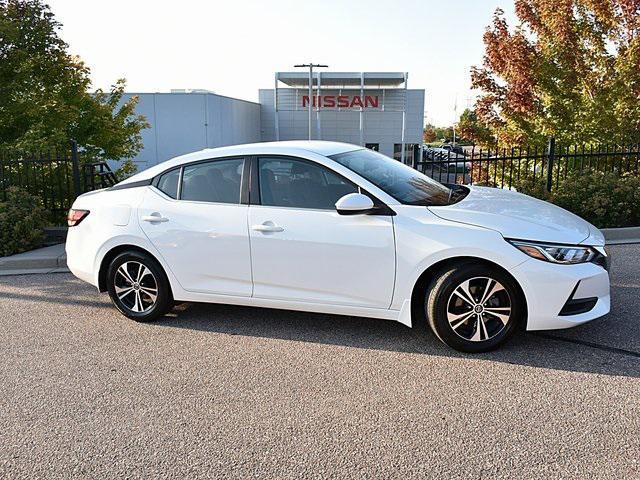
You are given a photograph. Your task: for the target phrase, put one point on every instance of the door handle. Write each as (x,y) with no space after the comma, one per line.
(267,227)
(154,217)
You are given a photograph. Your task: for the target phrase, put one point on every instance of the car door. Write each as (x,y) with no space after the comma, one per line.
(303,250)
(194,216)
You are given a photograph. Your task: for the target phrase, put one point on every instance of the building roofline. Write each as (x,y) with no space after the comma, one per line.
(315,91)
(193,94)
(301,78)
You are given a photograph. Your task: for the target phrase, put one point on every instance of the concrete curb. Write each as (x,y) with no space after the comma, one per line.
(32,271)
(621,236)
(42,260)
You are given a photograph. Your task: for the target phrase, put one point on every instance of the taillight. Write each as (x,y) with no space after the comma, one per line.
(74,217)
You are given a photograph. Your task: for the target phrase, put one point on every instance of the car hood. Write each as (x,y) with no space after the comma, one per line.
(519,216)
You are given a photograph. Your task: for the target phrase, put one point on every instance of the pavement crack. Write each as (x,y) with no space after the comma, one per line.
(606,348)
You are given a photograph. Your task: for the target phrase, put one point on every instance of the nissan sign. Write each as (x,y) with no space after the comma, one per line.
(342,101)
(378,99)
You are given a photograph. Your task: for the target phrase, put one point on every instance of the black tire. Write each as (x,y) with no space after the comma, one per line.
(138,304)
(473,332)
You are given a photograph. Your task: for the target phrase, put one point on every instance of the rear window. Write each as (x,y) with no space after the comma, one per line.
(217,181)
(168,183)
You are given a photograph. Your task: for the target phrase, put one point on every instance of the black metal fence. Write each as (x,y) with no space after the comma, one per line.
(510,167)
(56,176)
(59,176)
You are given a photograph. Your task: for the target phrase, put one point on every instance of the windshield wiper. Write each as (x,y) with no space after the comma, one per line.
(457,193)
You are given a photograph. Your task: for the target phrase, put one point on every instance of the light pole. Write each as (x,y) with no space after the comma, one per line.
(455,119)
(310,67)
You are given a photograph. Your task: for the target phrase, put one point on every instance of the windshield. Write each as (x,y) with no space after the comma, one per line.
(398,180)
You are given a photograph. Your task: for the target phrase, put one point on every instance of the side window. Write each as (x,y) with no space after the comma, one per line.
(295,183)
(168,183)
(216,181)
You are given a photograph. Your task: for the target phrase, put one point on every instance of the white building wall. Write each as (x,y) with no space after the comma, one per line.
(186,122)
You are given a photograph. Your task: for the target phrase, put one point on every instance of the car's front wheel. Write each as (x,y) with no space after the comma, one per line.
(138,286)
(473,307)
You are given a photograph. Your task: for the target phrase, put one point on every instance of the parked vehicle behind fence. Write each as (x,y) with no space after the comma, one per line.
(335,228)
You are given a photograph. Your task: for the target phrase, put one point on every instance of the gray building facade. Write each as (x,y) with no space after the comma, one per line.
(371,109)
(375,110)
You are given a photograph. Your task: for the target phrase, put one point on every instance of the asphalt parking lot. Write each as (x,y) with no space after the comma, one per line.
(232,392)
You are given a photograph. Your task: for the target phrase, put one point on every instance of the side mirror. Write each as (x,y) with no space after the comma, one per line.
(354,204)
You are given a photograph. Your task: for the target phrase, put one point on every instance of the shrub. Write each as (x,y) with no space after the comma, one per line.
(605,199)
(535,187)
(22,220)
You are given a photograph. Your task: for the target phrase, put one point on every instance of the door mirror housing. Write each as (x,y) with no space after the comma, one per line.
(354,204)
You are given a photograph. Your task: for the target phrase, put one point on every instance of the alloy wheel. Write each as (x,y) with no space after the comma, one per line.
(479,309)
(136,287)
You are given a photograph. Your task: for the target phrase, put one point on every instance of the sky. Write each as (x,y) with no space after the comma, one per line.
(233,47)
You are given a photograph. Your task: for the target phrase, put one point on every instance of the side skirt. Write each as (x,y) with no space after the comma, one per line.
(290,305)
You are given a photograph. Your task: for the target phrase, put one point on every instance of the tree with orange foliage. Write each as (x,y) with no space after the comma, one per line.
(429,134)
(570,69)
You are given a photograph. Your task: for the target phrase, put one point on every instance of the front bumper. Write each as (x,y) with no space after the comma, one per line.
(548,287)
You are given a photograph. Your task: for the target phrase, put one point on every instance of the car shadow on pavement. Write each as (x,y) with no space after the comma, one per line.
(525,348)
(607,346)
(66,290)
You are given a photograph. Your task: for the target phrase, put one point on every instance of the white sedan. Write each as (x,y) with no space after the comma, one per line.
(335,228)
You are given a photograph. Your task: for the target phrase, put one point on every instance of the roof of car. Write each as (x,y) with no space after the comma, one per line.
(292,147)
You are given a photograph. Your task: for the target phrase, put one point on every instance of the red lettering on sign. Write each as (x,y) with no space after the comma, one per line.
(342,101)
(371,101)
(356,102)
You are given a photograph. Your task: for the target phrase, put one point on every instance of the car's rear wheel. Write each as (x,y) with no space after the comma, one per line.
(138,286)
(473,307)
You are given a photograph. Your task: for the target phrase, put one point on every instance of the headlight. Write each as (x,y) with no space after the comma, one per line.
(555,253)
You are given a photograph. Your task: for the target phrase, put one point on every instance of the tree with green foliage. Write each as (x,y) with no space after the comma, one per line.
(44,91)
(570,69)
(433,134)
(471,129)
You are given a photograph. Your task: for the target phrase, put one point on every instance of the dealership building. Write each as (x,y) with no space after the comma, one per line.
(372,109)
